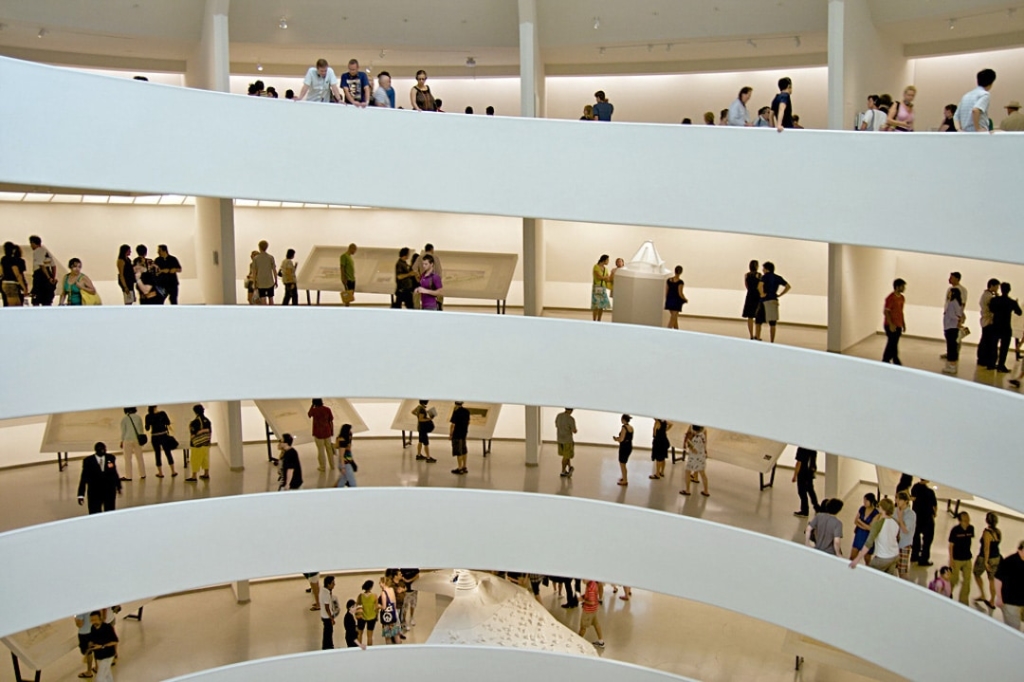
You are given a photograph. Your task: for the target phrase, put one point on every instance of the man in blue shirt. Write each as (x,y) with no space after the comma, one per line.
(768,287)
(355,84)
(603,109)
(782,105)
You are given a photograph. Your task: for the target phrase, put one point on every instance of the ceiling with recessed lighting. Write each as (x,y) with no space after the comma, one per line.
(161,34)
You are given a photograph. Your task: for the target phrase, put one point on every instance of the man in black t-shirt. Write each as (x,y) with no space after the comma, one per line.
(803,476)
(926,506)
(458,432)
(1010,587)
(167,269)
(960,555)
(782,105)
(291,468)
(103,645)
(406,281)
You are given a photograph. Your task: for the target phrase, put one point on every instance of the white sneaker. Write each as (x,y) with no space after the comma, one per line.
(599,644)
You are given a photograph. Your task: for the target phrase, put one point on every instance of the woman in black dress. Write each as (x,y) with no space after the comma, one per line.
(625,441)
(752,303)
(674,298)
(659,448)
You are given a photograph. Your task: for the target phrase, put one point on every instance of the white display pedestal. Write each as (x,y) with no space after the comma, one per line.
(640,288)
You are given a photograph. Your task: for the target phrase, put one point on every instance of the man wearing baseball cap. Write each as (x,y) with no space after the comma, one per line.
(1014,121)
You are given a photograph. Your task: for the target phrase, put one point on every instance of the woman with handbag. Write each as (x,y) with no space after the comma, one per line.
(424,425)
(77,288)
(200,435)
(159,426)
(132,440)
(599,301)
(346,465)
(387,607)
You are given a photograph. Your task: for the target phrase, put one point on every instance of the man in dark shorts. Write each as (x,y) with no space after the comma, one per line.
(457,433)
(424,425)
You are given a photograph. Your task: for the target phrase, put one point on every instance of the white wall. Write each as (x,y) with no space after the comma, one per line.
(866,281)
(216,144)
(944,80)
(827,402)
(714,262)
(433,662)
(789,585)
(873,63)
(671,98)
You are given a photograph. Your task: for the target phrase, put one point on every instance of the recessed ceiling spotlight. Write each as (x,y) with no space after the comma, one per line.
(470,62)
(750,41)
(42,32)
(283,24)
(952,24)
(796,41)
(369,69)
(597,23)
(259,67)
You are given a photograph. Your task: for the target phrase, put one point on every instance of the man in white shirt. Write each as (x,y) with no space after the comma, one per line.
(131,429)
(972,114)
(319,83)
(873,118)
(328,611)
(44,273)
(738,115)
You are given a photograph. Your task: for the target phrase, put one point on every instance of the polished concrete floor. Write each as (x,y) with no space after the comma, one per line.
(194,631)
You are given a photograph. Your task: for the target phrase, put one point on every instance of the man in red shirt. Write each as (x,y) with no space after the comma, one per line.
(591,599)
(323,433)
(894,323)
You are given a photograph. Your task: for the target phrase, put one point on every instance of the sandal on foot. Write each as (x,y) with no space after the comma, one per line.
(705,494)
(684,492)
(623,482)
(159,475)
(654,477)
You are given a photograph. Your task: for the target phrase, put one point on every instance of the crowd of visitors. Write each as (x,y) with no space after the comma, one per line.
(394,607)
(997,310)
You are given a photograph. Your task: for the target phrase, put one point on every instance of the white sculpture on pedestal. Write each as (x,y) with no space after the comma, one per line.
(640,288)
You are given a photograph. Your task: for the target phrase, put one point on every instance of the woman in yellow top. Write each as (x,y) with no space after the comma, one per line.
(599,297)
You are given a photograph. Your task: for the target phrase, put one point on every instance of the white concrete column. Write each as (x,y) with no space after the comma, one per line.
(208,68)
(861,61)
(531,78)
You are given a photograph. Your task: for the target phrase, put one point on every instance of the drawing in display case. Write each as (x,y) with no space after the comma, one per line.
(291,416)
(464,274)
(739,449)
(80,431)
(483,417)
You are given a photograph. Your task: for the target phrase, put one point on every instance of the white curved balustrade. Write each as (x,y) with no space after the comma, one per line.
(831,403)
(815,185)
(224,539)
(434,663)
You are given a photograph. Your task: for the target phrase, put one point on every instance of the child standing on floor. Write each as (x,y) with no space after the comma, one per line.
(941,584)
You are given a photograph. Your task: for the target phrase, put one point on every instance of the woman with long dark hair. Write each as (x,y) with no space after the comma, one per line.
(752,301)
(126,273)
(346,463)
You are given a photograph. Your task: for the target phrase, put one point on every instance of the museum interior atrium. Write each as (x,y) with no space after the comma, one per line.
(546,348)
